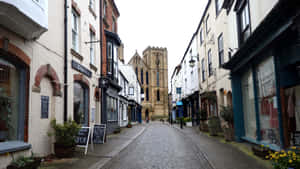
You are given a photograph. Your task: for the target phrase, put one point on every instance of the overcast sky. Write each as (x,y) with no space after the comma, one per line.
(159,23)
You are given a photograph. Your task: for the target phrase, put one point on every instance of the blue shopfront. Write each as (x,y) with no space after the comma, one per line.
(266,92)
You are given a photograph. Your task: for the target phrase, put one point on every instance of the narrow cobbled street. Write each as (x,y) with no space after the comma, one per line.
(160,147)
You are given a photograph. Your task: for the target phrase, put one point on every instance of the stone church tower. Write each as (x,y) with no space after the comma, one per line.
(152,72)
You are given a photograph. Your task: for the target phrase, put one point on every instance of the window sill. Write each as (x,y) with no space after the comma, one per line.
(76,54)
(92,66)
(13,146)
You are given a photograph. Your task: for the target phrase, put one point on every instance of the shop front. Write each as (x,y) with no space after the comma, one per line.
(193,108)
(266,93)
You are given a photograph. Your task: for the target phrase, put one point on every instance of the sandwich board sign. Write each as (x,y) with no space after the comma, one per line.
(99,132)
(83,137)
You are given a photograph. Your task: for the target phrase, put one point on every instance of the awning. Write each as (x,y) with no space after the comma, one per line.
(179,103)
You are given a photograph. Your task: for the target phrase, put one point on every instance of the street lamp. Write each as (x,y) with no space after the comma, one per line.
(193,61)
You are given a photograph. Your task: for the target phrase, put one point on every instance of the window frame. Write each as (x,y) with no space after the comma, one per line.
(157,78)
(201,36)
(142,76)
(203,70)
(147,78)
(243,18)
(109,58)
(209,63)
(131,91)
(92,48)
(158,95)
(147,94)
(218,8)
(206,24)
(75,30)
(221,50)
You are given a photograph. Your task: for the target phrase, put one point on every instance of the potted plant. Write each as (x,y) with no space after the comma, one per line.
(214,125)
(285,159)
(203,118)
(227,115)
(188,121)
(5,118)
(25,163)
(129,125)
(65,135)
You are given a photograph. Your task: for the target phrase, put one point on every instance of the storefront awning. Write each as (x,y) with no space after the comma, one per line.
(179,103)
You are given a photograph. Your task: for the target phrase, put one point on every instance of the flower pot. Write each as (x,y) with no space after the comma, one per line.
(261,152)
(63,151)
(203,127)
(228,134)
(129,126)
(189,124)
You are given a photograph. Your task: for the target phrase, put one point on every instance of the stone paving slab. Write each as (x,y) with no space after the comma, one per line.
(221,155)
(102,153)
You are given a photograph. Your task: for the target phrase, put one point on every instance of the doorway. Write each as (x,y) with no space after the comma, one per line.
(81,103)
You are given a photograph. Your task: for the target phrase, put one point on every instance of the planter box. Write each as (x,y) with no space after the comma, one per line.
(32,165)
(62,151)
(228,134)
(203,126)
(189,124)
(260,152)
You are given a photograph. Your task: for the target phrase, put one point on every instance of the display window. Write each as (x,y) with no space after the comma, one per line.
(292,112)
(267,101)
(249,105)
(81,107)
(9,101)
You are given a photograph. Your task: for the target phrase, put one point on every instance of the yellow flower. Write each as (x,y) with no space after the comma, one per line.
(268,146)
(262,145)
(290,161)
(294,148)
(267,157)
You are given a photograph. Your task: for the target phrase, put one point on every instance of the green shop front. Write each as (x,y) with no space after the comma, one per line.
(265,75)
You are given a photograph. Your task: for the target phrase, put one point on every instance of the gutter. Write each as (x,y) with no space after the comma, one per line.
(66,62)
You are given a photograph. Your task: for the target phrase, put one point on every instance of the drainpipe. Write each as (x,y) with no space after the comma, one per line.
(66,63)
(101,64)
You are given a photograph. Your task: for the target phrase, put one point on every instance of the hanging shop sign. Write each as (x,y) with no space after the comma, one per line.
(80,68)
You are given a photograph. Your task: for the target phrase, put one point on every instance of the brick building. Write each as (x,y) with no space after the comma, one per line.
(152,72)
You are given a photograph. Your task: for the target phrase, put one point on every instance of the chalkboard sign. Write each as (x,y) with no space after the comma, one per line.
(82,138)
(99,133)
(296,138)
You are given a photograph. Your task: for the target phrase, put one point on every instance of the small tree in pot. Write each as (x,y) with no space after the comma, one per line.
(203,118)
(227,115)
(214,125)
(65,135)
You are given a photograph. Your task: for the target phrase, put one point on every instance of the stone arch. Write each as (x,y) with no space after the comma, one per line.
(15,51)
(49,72)
(80,78)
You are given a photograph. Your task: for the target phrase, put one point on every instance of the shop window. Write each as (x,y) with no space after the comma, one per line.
(10,112)
(266,91)
(248,105)
(80,100)
(112,111)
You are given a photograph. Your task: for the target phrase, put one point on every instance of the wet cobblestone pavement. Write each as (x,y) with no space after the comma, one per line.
(160,147)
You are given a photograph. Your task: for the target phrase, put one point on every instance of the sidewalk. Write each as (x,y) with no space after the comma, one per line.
(102,153)
(223,155)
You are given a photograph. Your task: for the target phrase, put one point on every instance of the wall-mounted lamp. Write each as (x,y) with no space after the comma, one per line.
(192,61)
